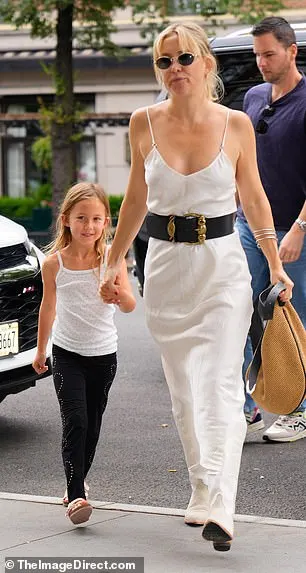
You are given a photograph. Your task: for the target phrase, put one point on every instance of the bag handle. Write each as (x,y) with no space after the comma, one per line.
(265,308)
(267,300)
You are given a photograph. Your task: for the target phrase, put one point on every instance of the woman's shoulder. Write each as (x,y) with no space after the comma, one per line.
(141,114)
(233,114)
(239,123)
(238,120)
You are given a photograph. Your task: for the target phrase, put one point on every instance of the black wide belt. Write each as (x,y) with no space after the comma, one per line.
(191,228)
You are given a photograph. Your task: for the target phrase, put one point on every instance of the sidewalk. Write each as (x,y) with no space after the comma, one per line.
(33,526)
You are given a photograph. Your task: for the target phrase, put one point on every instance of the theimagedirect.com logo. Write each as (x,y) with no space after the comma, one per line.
(24,565)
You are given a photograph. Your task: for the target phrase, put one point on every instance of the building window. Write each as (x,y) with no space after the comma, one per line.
(86,160)
(181,7)
(20,174)
(184,7)
(14,168)
(127,149)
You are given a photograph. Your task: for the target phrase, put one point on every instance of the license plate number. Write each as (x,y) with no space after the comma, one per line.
(9,343)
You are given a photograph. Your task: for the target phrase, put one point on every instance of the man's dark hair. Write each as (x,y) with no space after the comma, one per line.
(277,26)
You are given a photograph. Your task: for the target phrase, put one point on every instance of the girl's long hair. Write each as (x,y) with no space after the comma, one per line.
(77,193)
(192,38)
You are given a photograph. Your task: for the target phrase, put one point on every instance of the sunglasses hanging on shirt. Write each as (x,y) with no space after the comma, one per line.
(262,126)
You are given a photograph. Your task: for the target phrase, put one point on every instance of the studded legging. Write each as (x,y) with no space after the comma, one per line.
(82,384)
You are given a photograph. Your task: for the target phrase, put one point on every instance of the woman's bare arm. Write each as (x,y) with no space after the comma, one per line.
(132,211)
(133,208)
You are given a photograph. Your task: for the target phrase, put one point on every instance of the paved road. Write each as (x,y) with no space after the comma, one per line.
(139,459)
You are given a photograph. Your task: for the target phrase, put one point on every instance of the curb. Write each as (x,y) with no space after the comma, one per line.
(167,511)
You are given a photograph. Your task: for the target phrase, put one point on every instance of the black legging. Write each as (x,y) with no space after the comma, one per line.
(82,384)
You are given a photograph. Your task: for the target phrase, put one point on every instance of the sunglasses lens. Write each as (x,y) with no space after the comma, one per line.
(262,127)
(163,63)
(268,111)
(185,59)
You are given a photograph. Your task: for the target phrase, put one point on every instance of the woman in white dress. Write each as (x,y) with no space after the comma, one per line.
(189,155)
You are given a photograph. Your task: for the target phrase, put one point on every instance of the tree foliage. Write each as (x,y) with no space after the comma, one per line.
(41,15)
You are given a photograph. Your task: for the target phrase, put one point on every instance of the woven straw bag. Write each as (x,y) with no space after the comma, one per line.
(276,378)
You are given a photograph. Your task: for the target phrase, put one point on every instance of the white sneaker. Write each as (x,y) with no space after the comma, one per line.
(287,428)
(254,420)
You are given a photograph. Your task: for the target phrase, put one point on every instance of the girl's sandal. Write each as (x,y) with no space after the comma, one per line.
(79,511)
(65,499)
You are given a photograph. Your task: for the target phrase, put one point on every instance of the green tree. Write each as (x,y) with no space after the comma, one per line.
(56,18)
(95,24)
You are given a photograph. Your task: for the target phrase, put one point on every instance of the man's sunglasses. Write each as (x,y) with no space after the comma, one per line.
(262,126)
(164,62)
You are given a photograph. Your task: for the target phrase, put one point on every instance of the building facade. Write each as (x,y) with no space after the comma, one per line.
(102,85)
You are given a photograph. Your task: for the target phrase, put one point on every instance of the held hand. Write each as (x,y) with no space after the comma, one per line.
(291,246)
(109,289)
(280,275)
(110,298)
(39,363)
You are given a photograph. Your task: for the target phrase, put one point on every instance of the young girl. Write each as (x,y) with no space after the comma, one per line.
(84,334)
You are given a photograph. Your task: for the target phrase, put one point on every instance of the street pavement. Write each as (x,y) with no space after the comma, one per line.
(36,527)
(141,460)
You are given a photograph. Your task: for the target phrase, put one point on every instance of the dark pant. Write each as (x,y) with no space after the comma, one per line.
(82,384)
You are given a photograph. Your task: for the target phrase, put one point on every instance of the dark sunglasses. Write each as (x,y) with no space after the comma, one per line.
(164,62)
(262,126)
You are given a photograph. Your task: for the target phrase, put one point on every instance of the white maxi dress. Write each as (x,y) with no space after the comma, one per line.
(198,304)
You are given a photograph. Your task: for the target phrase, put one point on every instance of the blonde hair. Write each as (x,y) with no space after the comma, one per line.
(74,195)
(191,38)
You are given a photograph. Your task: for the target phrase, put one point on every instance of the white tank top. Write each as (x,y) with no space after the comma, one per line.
(84,323)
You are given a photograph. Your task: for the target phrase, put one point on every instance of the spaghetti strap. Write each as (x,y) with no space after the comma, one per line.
(225,130)
(103,263)
(60,260)
(151,130)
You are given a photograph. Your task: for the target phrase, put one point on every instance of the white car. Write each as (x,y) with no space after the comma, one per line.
(20,297)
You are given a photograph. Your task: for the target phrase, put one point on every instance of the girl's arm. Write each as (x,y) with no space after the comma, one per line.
(254,201)
(46,313)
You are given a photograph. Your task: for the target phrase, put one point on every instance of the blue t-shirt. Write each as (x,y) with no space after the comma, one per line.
(281,151)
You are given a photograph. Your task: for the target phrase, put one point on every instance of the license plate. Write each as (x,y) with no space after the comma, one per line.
(9,343)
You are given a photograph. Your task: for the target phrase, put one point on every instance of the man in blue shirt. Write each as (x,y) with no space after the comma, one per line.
(277,109)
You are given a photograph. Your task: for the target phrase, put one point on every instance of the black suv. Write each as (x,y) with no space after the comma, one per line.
(239,72)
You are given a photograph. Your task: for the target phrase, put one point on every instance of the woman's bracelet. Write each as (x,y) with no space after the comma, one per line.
(263,234)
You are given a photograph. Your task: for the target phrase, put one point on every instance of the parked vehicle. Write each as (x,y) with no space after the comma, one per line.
(20,297)
(239,72)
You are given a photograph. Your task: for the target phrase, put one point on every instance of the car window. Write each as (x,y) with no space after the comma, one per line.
(239,73)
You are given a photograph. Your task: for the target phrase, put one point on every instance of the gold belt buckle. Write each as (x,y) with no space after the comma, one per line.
(201,228)
(171,228)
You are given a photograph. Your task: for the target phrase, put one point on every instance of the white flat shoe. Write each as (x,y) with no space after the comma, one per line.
(219,528)
(197,509)
(214,532)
